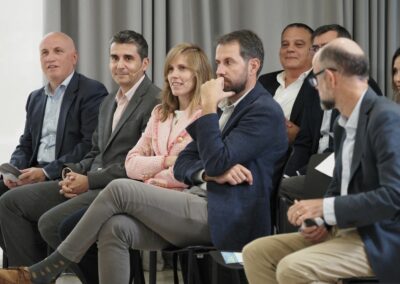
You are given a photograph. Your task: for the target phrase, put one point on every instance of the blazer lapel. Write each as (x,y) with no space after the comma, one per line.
(38,123)
(131,107)
(366,105)
(68,98)
(253,95)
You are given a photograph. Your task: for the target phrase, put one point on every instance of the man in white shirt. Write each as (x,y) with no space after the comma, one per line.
(360,231)
(288,86)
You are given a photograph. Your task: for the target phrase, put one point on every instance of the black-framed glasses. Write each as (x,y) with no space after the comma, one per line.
(314,48)
(313,78)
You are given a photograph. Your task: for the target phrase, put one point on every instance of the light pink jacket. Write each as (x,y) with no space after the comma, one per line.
(145,161)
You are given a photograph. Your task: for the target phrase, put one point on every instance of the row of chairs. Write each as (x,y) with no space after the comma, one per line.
(191,257)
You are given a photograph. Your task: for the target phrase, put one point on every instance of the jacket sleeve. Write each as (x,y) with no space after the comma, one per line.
(22,155)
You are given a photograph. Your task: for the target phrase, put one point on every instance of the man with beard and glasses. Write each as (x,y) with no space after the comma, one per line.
(239,142)
(356,229)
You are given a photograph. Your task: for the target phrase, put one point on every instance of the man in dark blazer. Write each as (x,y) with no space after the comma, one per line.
(122,119)
(315,134)
(235,155)
(60,117)
(361,208)
(290,86)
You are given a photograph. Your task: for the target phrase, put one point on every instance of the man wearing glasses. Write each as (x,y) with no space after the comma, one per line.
(315,135)
(359,232)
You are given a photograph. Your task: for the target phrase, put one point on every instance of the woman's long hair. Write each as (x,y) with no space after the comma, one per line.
(198,63)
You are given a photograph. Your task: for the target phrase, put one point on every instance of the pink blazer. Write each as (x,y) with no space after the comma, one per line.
(145,161)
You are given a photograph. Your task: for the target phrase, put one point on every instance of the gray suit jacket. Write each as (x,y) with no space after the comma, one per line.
(373,201)
(106,160)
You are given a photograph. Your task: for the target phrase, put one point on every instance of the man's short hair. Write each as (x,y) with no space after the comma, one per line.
(341,31)
(346,63)
(250,44)
(128,36)
(298,25)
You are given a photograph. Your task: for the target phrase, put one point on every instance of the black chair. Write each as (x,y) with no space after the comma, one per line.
(188,258)
(315,186)
(358,280)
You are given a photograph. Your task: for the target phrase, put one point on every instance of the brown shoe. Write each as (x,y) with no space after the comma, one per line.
(18,275)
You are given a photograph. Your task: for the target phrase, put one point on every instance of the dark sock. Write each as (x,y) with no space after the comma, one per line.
(48,269)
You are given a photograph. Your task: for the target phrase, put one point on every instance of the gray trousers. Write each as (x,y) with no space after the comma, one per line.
(25,209)
(128,213)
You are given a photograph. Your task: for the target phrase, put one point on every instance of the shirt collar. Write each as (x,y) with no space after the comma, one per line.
(281,77)
(224,104)
(352,121)
(63,85)
(129,94)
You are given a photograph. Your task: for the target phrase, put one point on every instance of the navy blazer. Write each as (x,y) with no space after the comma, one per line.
(255,137)
(307,141)
(76,123)
(373,201)
(306,93)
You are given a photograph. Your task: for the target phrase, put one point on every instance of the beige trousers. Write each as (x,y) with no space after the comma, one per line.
(289,258)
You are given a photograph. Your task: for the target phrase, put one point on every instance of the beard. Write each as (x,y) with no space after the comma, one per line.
(238,86)
(327,104)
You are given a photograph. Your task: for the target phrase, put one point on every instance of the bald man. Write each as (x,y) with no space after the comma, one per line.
(60,120)
(60,117)
(359,232)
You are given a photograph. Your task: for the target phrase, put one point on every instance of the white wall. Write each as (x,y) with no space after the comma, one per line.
(21,29)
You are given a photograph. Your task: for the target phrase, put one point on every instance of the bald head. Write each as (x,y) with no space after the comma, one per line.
(58,57)
(345,56)
(66,39)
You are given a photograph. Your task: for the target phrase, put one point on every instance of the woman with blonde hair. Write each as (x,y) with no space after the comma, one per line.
(141,213)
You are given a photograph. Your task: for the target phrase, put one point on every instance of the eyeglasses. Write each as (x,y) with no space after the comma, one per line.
(313,78)
(315,48)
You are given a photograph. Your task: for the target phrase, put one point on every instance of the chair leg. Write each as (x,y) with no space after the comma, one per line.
(5,260)
(136,268)
(153,267)
(175,267)
(190,267)
(214,272)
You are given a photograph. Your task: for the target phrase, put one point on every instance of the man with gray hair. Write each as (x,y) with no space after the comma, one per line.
(354,230)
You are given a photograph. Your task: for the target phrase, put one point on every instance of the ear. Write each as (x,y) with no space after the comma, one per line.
(254,66)
(145,63)
(331,78)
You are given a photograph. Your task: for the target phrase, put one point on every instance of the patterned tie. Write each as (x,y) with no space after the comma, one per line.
(122,102)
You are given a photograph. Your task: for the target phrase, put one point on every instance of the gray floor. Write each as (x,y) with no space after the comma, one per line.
(163,277)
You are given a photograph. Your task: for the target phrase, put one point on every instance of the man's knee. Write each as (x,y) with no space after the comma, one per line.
(114,230)
(291,269)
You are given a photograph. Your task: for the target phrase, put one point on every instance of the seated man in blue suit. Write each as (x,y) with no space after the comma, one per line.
(60,117)
(235,151)
(360,230)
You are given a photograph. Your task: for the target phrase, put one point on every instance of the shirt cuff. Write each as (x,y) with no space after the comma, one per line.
(198,177)
(329,211)
(45,173)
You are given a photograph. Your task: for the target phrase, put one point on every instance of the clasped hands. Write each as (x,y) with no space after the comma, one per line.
(308,209)
(73,184)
